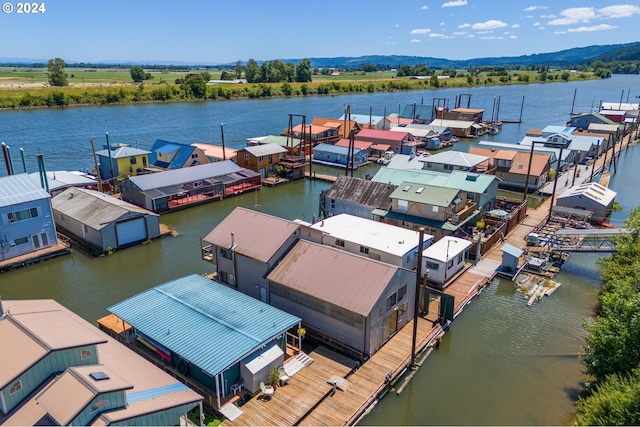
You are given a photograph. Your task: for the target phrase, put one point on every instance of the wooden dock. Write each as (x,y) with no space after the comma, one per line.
(322,177)
(61,248)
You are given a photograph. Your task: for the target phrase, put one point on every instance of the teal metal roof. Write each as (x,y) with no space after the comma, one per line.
(466,181)
(203,321)
(426,194)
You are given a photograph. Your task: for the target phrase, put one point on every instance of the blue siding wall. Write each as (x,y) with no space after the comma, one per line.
(12,235)
(114,400)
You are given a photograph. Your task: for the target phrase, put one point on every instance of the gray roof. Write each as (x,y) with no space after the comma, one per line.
(512,250)
(61,179)
(93,208)
(19,188)
(180,176)
(209,324)
(122,152)
(361,191)
(346,280)
(456,158)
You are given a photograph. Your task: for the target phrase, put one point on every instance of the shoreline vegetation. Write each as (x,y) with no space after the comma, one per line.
(31,92)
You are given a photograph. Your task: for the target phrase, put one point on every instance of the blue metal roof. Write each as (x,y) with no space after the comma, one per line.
(167,147)
(205,322)
(19,188)
(335,149)
(137,396)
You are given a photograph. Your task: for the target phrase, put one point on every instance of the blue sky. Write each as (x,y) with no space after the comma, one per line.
(213,32)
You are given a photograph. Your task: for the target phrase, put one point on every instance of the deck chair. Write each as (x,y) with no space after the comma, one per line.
(284,378)
(267,390)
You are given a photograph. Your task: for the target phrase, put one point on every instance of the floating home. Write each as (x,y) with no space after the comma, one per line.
(60,370)
(101,221)
(211,333)
(176,189)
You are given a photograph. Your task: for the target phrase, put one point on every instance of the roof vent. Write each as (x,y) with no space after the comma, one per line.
(99,376)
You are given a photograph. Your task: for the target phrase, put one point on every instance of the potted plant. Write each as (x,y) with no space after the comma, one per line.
(274,376)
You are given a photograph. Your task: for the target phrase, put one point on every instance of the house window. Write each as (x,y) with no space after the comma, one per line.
(402,292)
(429,165)
(433,208)
(391,301)
(403,308)
(408,258)
(450,264)
(246,157)
(197,184)
(226,253)
(133,160)
(22,215)
(99,404)
(85,354)
(433,266)
(333,203)
(448,167)
(403,205)
(15,387)
(271,159)
(340,243)
(194,156)
(364,250)
(261,159)
(21,240)
(459,257)
(374,255)
(227,278)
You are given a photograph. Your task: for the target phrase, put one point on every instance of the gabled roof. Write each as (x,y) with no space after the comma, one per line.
(405,161)
(96,210)
(512,250)
(465,181)
(349,281)
(434,128)
(315,129)
(420,132)
(453,124)
(599,127)
(372,234)
(598,116)
(425,194)
(591,190)
(455,158)
(179,176)
(60,179)
(519,159)
(360,145)
(364,119)
(20,188)
(551,129)
(183,154)
(622,106)
(255,234)
(215,151)
(265,149)
(336,149)
(381,134)
(205,322)
(361,191)
(122,152)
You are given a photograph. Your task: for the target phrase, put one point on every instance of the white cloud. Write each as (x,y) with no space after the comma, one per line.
(513,37)
(541,28)
(574,15)
(415,41)
(515,26)
(460,33)
(492,38)
(464,26)
(441,36)
(397,25)
(548,16)
(454,3)
(559,32)
(619,11)
(425,8)
(491,24)
(485,32)
(393,43)
(420,31)
(470,36)
(536,24)
(532,8)
(442,23)
(601,27)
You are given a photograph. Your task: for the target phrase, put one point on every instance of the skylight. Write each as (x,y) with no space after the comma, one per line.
(406,188)
(420,190)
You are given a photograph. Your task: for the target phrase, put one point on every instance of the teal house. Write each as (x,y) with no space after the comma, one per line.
(211,333)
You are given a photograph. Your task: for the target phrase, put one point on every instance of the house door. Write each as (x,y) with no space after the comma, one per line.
(263,173)
(263,295)
(390,325)
(40,240)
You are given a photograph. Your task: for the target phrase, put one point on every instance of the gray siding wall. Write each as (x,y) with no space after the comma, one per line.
(43,223)
(74,228)
(341,324)
(350,208)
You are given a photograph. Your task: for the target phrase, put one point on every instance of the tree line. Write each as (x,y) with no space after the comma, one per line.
(612,352)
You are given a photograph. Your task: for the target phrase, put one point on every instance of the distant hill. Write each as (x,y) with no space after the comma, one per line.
(563,58)
(574,56)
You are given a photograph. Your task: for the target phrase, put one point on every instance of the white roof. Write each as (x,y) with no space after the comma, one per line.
(265,149)
(413,131)
(372,234)
(457,124)
(259,360)
(446,248)
(593,191)
(619,106)
(456,158)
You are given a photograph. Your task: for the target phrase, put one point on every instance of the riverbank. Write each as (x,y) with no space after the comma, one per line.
(118,93)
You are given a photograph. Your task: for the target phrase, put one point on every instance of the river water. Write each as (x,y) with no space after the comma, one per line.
(502,362)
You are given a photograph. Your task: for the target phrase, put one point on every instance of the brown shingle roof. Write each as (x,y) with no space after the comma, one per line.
(256,235)
(539,162)
(350,281)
